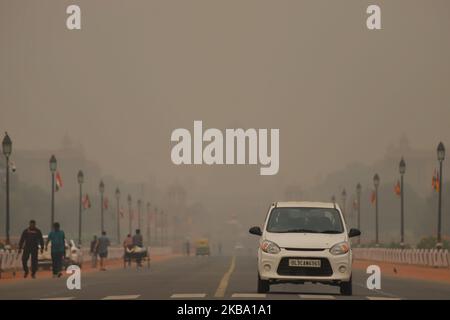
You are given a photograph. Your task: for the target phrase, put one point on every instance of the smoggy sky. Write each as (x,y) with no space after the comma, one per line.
(137,70)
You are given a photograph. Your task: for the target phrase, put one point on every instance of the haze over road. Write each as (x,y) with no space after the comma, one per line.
(200,278)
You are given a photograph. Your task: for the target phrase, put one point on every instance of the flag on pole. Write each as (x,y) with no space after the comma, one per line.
(435,183)
(397,188)
(373,197)
(86,202)
(121,212)
(105,203)
(131,214)
(59,182)
(433,180)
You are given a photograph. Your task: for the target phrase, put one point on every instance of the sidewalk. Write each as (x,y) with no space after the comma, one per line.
(8,277)
(407,271)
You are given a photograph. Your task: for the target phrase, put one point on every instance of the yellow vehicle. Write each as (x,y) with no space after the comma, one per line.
(202,247)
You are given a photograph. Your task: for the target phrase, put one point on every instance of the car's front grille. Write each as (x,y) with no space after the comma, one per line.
(324,270)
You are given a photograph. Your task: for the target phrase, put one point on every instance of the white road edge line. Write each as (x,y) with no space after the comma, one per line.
(187,295)
(248,295)
(381,298)
(123,297)
(317,296)
(379,292)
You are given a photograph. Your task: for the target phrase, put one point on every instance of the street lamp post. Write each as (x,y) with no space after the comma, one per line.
(376,183)
(129,214)
(117,194)
(80,182)
(53,165)
(101,188)
(139,203)
(402,170)
(148,222)
(162,227)
(156,226)
(344,200)
(358,195)
(441,157)
(7,149)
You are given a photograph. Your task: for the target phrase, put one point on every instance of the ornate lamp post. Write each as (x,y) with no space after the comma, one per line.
(101,188)
(129,214)
(441,157)
(80,177)
(53,165)
(139,204)
(117,195)
(376,183)
(402,170)
(358,195)
(7,149)
(344,200)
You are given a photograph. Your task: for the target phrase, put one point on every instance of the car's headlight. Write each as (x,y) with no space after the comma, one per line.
(340,248)
(270,247)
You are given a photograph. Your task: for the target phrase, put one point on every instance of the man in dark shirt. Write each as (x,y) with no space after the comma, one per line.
(29,241)
(139,242)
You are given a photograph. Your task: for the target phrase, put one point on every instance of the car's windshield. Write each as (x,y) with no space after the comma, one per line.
(308,220)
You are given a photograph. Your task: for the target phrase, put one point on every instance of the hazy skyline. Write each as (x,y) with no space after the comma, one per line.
(338,92)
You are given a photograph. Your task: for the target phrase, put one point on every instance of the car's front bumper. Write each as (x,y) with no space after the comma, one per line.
(268,266)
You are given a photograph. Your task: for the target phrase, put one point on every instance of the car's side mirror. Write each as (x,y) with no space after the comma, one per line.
(354,233)
(255,230)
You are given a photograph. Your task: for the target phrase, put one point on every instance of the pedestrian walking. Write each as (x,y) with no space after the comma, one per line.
(57,239)
(128,246)
(94,252)
(102,248)
(29,242)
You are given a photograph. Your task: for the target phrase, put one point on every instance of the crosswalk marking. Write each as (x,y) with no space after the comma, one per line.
(58,298)
(248,295)
(123,297)
(316,296)
(382,298)
(187,295)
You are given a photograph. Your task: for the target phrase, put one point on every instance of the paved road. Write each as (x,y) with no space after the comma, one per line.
(208,278)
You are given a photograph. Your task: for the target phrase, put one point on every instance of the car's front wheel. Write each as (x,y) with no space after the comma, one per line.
(263,285)
(347,287)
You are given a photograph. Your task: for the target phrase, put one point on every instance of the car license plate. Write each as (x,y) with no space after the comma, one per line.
(308,263)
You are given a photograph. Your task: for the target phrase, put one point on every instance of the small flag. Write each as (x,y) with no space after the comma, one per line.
(59,182)
(373,197)
(105,203)
(121,212)
(397,188)
(86,202)
(355,204)
(437,184)
(131,214)
(433,180)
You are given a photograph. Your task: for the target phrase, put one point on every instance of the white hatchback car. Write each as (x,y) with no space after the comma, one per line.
(305,242)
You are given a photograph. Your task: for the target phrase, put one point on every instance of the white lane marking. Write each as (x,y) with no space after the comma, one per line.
(123,297)
(187,295)
(248,295)
(317,296)
(220,292)
(382,298)
(379,291)
(59,298)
